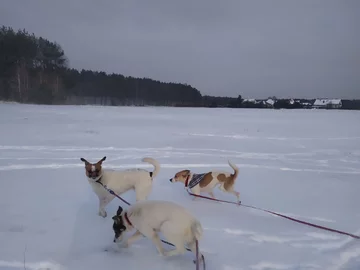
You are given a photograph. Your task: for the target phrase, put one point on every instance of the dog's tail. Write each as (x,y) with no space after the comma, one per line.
(153,162)
(196,230)
(236,170)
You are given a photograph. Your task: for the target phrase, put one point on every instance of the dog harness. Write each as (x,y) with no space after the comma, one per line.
(195,179)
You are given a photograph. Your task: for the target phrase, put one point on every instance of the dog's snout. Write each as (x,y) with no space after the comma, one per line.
(170,179)
(114,240)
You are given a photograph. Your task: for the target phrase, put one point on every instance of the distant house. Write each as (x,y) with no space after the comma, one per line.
(327,104)
(250,100)
(306,105)
(270,102)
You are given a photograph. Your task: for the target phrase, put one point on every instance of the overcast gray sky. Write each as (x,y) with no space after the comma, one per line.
(287,48)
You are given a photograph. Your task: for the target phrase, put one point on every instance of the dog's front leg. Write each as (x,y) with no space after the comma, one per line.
(196,192)
(103,202)
(192,247)
(133,238)
(212,195)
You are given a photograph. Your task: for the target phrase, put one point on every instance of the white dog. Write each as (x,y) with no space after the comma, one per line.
(119,181)
(177,225)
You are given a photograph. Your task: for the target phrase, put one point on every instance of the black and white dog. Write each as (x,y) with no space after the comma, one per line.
(178,226)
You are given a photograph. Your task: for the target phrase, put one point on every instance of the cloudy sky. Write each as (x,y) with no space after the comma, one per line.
(283,48)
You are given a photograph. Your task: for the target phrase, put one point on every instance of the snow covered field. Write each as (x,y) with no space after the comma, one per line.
(304,163)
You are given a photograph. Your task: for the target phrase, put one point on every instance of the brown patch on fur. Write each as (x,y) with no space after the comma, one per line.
(228,181)
(181,176)
(206,180)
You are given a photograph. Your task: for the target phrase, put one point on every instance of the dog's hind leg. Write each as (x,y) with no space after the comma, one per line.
(178,242)
(177,239)
(142,193)
(231,191)
(156,240)
(235,193)
(192,247)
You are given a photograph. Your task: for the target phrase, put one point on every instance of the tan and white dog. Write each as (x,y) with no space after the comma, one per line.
(206,182)
(119,181)
(178,226)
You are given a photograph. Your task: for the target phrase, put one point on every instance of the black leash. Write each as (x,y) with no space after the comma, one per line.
(111,191)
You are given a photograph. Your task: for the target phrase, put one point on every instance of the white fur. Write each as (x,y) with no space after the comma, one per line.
(178,226)
(122,181)
(93,168)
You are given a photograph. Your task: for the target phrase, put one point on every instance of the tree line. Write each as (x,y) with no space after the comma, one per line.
(35,70)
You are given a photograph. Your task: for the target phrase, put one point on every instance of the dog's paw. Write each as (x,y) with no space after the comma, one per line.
(103,214)
(201,259)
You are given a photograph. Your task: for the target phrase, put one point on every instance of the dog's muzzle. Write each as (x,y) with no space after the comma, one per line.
(117,239)
(170,180)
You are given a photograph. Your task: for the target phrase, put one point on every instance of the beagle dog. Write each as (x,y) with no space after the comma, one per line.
(206,182)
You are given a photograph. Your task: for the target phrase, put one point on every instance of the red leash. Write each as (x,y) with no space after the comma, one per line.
(280,215)
(198,257)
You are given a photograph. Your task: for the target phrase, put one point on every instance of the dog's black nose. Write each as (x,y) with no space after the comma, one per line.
(114,240)
(170,179)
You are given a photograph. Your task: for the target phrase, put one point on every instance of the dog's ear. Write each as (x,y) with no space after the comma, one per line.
(116,219)
(119,211)
(185,173)
(101,160)
(84,160)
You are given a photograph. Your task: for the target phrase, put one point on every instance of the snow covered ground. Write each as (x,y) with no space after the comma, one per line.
(304,163)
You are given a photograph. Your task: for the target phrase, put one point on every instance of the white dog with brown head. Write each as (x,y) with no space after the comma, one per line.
(178,226)
(119,181)
(206,182)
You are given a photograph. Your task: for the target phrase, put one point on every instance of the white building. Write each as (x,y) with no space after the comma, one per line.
(250,100)
(270,102)
(327,103)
